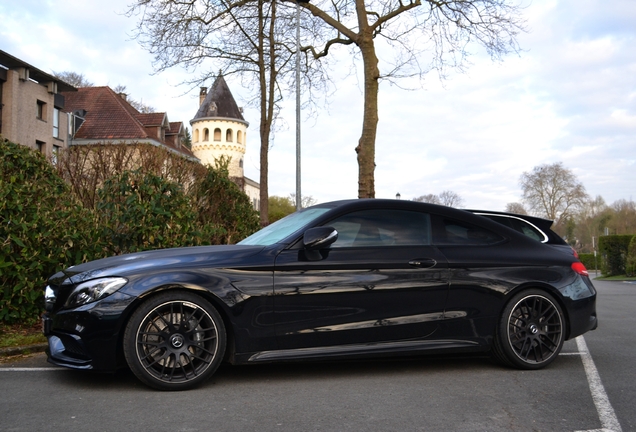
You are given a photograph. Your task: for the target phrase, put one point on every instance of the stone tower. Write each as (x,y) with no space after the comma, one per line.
(218,128)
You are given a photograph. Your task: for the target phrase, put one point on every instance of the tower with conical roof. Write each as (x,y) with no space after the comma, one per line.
(218,128)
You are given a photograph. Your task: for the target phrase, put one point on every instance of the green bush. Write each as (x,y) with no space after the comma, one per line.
(279,207)
(43,229)
(588,260)
(140,211)
(225,213)
(613,250)
(630,268)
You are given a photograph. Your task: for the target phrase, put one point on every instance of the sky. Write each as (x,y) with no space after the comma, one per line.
(569,96)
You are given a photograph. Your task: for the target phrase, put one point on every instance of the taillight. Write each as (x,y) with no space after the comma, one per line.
(580,268)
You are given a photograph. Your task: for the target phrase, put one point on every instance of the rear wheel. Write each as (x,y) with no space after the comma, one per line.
(174,341)
(531,330)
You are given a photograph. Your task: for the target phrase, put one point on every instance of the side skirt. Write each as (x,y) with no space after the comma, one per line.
(360,350)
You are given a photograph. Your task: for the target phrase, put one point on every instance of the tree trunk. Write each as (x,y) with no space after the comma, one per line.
(366,144)
(265,123)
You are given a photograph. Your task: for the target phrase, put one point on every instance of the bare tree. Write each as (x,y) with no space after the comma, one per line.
(446,198)
(305,200)
(75,79)
(412,29)
(451,199)
(429,198)
(552,191)
(255,39)
(516,208)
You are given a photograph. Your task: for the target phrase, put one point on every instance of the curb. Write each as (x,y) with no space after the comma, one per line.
(26,349)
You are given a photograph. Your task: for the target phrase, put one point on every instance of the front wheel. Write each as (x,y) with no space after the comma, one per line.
(531,330)
(174,341)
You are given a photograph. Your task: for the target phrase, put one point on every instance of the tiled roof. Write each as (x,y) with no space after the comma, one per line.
(219,102)
(110,117)
(175,128)
(151,119)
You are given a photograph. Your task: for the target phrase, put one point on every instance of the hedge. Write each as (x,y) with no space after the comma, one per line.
(47,225)
(42,230)
(613,250)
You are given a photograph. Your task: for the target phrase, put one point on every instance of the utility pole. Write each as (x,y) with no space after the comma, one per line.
(298,194)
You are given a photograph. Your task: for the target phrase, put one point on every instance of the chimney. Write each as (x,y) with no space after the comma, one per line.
(202,94)
(123,95)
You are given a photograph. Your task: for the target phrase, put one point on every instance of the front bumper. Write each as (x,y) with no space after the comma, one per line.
(87,337)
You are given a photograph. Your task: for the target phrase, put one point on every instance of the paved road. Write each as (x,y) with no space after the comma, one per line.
(459,394)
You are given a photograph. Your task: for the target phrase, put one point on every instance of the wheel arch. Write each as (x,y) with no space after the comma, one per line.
(542,286)
(206,294)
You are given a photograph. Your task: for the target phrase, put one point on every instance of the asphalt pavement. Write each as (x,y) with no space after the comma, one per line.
(416,394)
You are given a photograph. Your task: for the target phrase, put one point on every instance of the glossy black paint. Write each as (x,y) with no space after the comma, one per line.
(287,301)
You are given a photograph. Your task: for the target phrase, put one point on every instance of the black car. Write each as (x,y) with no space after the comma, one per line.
(347,279)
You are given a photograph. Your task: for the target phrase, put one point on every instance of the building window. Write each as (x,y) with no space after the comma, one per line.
(206,134)
(217,134)
(239,137)
(54,156)
(196,135)
(41,146)
(56,123)
(228,135)
(241,163)
(41,112)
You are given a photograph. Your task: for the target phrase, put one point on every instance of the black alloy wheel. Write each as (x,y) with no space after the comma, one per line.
(174,341)
(531,331)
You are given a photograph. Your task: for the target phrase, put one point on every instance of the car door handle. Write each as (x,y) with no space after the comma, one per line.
(423,263)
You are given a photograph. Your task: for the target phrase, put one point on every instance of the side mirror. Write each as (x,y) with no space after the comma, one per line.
(319,237)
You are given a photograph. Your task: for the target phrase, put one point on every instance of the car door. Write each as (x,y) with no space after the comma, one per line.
(380,282)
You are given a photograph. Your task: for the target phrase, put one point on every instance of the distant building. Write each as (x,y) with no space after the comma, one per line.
(98,115)
(43,112)
(219,129)
(32,106)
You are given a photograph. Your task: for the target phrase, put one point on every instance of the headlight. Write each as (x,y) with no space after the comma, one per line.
(94,290)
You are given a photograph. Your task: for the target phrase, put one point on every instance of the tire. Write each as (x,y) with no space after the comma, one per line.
(174,341)
(531,330)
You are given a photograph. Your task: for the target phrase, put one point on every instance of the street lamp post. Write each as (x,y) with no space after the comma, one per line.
(298,194)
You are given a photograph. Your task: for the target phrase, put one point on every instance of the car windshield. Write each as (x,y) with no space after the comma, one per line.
(284,227)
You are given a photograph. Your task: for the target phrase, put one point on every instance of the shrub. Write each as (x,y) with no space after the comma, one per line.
(588,260)
(613,250)
(86,168)
(43,229)
(47,225)
(140,211)
(225,213)
(630,268)
(279,207)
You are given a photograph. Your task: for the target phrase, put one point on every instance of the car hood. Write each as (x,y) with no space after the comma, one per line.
(142,262)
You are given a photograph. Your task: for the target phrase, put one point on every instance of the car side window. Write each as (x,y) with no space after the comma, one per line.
(454,232)
(385,227)
(519,225)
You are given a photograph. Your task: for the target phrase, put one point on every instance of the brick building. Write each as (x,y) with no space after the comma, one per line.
(32,107)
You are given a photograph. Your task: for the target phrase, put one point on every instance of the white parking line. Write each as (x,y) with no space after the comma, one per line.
(30,369)
(609,421)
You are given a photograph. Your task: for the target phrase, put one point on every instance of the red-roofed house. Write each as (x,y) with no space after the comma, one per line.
(102,116)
